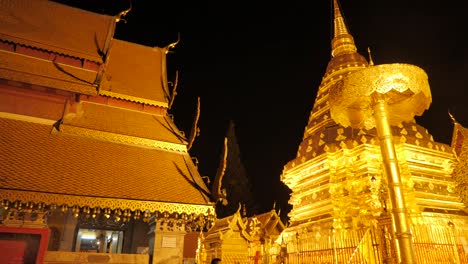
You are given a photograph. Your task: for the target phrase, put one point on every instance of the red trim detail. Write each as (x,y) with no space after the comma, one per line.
(33,52)
(52,56)
(7,46)
(91,65)
(68,61)
(44,234)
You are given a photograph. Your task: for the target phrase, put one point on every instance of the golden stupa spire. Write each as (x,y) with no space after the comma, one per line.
(342,42)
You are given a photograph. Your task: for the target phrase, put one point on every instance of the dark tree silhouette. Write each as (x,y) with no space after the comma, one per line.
(232,187)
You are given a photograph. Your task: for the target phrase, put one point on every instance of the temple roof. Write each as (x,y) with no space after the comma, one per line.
(39,160)
(269,222)
(229,224)
(121,121)
(53,45)
(54,27)
(126,77)
(87,125)
(35,67)
(266,224)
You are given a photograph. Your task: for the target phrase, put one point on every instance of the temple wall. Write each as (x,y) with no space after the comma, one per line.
(63,229)
(55,257)
(166,242)
(139,237)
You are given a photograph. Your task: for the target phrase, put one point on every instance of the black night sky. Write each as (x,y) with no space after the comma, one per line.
(260,64)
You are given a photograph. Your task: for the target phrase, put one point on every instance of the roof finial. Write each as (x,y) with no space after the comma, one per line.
(343,42)
(120,16)
(452,117)
(371,62)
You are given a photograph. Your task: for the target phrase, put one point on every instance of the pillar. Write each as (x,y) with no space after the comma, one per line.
(166,244)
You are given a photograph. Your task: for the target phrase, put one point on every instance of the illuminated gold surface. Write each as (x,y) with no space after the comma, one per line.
(379,96)
(236,239)
(339,189)
(460,171)
(405,87)
(403,234)
(343,42)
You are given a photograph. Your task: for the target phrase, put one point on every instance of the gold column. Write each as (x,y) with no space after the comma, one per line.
(404,242)
(380,96)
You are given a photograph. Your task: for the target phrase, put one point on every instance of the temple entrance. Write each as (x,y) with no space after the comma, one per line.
(99,241)
(100,235)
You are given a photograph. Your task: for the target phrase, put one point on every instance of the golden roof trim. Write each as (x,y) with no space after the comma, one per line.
(104,202)
(122,139)
(133,98)
(25,118)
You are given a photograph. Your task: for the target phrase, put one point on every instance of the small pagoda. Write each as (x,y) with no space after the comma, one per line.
(244,240)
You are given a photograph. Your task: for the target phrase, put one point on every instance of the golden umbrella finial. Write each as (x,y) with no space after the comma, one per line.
(381,96)
(404,87)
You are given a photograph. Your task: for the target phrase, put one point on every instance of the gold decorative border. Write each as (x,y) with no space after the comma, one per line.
(101,202)
(132,98)
(123,139)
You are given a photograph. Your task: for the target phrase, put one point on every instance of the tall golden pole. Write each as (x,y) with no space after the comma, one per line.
(380,96)
(392,171)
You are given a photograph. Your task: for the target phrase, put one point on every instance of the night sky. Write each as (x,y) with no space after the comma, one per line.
(260,65)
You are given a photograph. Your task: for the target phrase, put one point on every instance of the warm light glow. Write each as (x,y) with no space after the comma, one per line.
(88,236)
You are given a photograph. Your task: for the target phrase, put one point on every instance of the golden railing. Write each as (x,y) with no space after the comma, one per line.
(432,244)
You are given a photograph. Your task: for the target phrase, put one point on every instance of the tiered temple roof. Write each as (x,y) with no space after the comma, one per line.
(84,117)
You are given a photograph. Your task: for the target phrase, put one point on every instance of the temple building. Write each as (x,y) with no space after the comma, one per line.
(92,166)
(242,240)
(342,209)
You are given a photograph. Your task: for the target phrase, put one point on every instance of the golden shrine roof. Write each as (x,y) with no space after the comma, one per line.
(54,27)
(43,164)
(232,223)
(268,221)
(135,73)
